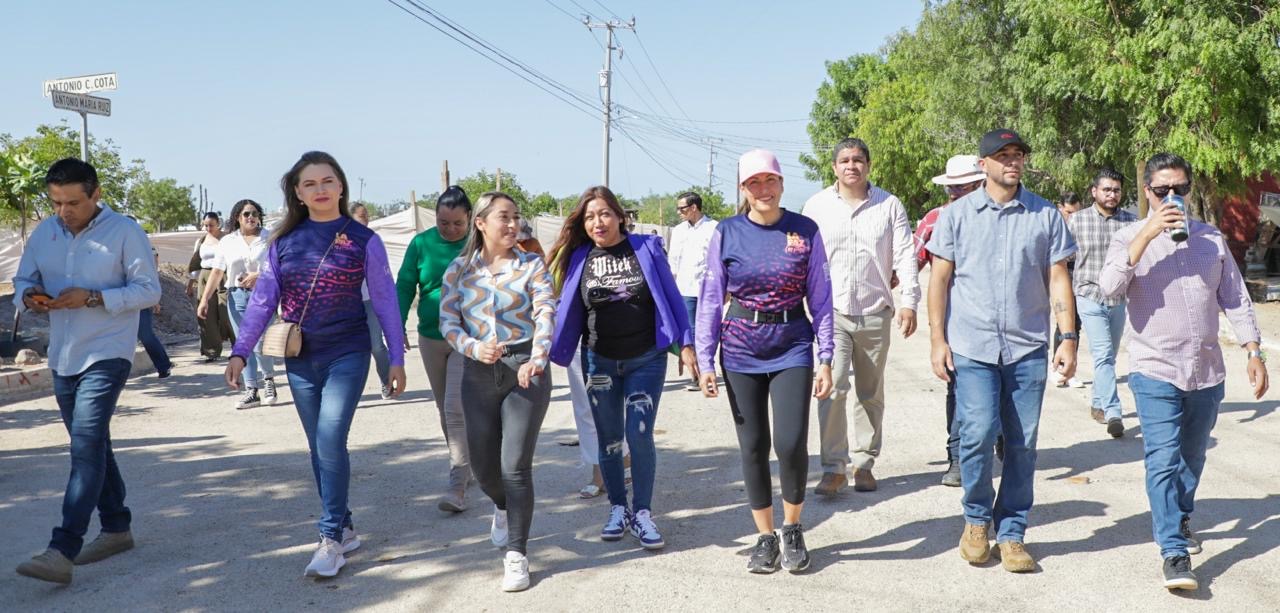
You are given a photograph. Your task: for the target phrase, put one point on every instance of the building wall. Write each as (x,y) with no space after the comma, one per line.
(1240,215)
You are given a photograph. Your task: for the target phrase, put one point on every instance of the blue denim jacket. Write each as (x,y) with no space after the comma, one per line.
(671,320)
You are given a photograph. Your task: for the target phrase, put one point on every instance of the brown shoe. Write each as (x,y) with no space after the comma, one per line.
(455,501)
(106,545)
(863,480)
(49,566)
(1098,415)
(831,484)
(1015,559)
(974,547)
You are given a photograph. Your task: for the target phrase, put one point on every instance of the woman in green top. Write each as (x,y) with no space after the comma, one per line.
(425,261)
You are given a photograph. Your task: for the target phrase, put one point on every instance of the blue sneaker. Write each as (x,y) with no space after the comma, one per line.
(643,528)
(619,519)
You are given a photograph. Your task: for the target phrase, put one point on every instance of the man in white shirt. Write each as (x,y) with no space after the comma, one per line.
(687,253)
(868,239)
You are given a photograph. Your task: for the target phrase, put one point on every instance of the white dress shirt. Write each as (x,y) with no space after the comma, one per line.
(865,243)
(688,254)
(236,257)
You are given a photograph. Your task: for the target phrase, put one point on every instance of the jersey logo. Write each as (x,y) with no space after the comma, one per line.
(796,244)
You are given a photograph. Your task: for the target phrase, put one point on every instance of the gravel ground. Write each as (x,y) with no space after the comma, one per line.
(225,507)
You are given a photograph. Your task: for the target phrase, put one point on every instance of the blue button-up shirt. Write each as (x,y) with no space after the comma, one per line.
(112,255)
(998,307)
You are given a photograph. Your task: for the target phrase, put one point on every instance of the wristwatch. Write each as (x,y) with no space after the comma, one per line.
(94,299)
(1260,354)
(1070,336)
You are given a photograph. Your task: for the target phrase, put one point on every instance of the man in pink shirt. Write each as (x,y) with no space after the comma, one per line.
(962,176)
(1175,290)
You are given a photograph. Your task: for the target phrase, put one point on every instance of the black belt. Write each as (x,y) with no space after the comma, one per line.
(522,348)
(737,311)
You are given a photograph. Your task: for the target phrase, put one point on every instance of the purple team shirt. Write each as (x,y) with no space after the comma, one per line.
(769,269)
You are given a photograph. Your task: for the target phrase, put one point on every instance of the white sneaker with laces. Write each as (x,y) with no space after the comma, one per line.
(350,540)
(269,395)
(515,576)
(386,392)
(248,400)
(643,528)
(498,532)
(1074,382)
(327,560)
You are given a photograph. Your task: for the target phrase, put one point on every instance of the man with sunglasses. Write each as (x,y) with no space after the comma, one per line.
(963,175)
(1101,317)
(687,254)
(1176,369)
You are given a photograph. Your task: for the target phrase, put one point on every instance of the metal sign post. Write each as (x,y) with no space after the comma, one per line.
(84,105)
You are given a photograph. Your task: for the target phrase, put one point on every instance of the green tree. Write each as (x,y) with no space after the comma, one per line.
(21,187)
(161,204)
(483,181)
(51,143)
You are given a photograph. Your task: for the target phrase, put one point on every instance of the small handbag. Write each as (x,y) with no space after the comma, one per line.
(284,339)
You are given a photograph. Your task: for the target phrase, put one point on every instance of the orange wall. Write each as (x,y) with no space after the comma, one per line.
(1240,214)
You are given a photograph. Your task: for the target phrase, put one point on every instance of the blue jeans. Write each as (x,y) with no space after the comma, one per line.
(953,432)
(1175,435)
(325,395)
(155,348)
(691,308)
(992,399)
(1103,325)
(87,402)
(257,366)
(624,398)
(381,359)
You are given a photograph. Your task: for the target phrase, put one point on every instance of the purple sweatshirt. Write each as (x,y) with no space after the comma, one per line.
(769,269)
(335,322)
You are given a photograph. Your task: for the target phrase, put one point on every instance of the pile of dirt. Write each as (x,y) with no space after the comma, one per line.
(175,320)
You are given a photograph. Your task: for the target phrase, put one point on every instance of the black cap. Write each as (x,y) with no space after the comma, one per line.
(997,139)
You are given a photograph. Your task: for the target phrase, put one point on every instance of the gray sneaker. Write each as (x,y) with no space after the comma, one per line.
(249,399)
(951,478)
(49,566)
(764,556)
(269,392)
(106,545)
(1178,575)
(453,502)
(795,556)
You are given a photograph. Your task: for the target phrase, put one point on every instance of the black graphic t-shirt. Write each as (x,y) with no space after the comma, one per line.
(620,316)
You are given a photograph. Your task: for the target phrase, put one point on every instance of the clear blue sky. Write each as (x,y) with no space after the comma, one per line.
(229,93)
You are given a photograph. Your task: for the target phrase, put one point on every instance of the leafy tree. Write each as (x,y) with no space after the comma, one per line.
(21,187)
(54,142)
(483,181)
(161,204)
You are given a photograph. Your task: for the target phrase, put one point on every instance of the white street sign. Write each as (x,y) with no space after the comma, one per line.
(82,85)
(81,103)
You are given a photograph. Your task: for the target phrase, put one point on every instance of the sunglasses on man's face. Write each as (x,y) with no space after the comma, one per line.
(1161,191)
(683,208)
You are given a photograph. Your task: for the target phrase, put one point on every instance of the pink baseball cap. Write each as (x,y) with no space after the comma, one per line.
(755,162)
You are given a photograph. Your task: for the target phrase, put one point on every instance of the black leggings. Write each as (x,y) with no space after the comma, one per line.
(749,396)
(502,421)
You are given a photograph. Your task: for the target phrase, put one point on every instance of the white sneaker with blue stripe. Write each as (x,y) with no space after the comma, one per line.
(643,528)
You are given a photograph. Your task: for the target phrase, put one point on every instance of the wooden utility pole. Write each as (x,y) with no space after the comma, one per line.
(498,180)
(1142,191)
(444,177)
(413,206)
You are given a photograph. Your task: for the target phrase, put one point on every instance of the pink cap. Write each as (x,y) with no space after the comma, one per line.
(755,162)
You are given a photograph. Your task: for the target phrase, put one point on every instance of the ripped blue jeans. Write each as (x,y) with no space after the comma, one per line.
(624,398)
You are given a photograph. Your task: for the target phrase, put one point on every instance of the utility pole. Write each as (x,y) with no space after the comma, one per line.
(606,80)
(361,189)
(497,180)
(444,177)
(711,161)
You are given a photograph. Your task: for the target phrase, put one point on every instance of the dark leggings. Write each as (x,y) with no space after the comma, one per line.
(749,396)
(502,421)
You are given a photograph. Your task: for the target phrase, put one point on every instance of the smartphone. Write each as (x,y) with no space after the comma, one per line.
(41,299)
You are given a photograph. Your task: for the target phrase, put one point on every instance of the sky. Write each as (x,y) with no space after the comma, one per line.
(228,94)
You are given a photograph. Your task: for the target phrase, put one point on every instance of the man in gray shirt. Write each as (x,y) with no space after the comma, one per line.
(1000,259)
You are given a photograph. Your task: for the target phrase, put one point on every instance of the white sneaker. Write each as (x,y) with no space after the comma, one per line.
(1074,382)
(386,392)
(498,532)
(1057,379)
(350,540)
(327,560)
(643,528)
(269,395)
(515,576)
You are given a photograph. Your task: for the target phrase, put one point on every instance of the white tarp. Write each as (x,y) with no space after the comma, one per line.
(10,253)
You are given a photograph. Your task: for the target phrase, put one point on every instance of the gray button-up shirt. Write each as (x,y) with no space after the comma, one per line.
(998,308)
(111,255)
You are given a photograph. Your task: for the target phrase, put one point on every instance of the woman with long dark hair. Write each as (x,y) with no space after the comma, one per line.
(621,310)
(770,263)
(421,276)
(238,262)
(317,259)
(496,310)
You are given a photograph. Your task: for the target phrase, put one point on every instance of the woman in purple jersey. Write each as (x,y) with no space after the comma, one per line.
(769,262)
(318,244)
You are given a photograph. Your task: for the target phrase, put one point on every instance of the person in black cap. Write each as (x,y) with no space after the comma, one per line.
(997,281)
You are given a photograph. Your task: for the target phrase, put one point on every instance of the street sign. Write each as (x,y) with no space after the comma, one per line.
(81,103)
(82,85)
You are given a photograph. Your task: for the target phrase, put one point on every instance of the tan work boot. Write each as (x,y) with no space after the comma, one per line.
(106,545)
(973,544)
(48,566)
(1015,559)
(863,480)
(831,484)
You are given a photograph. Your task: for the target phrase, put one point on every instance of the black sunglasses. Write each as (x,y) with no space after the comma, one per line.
(683,208)
(1180,189)
(250,214)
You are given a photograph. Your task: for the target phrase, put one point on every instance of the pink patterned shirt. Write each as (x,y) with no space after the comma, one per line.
(1175,292)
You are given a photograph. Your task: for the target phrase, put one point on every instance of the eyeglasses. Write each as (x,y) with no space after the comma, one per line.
(683,208)
(1161,191)
(251,214)
(962,188)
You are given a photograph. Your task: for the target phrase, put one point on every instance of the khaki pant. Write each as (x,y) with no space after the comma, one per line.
(216,326)
(444,372)
(862,348)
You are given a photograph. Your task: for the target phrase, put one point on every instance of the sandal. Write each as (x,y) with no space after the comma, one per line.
(590,490)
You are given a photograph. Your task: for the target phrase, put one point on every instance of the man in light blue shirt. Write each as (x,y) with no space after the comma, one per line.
(1000,261)
(92,271)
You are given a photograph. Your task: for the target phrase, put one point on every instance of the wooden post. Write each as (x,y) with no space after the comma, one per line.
(1142,191)
(413,206)
(498,180)
(444,177)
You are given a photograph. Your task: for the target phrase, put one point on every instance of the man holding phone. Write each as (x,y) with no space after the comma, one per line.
(91,269)
(1174,291)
